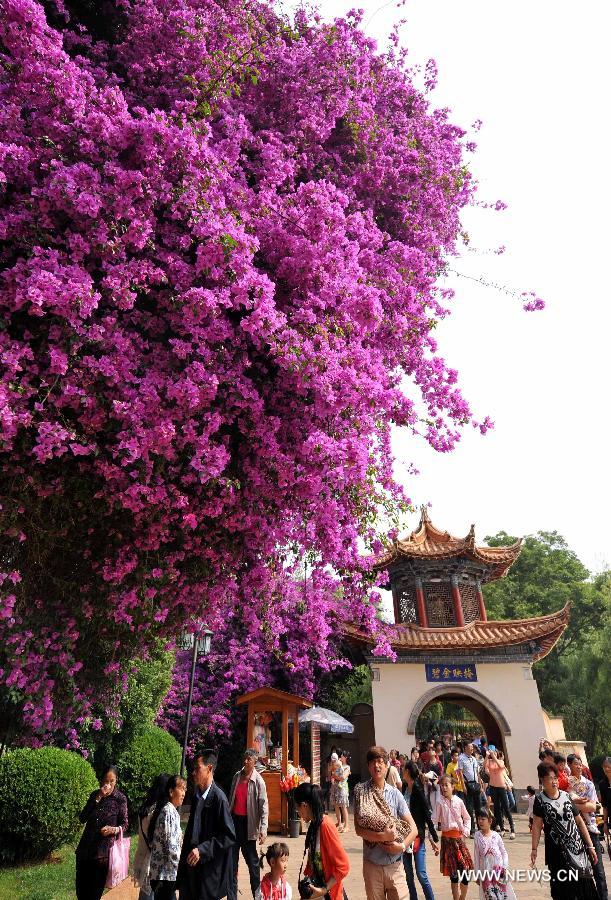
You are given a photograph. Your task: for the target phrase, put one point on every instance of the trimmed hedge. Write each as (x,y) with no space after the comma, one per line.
(151,752)
(42,792)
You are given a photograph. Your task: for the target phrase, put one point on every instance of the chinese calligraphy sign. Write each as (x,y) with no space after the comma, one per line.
(450,672)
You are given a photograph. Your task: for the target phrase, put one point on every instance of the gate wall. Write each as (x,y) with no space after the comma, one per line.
(507,691)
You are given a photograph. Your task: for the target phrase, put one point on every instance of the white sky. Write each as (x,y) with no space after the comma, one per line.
(538,75)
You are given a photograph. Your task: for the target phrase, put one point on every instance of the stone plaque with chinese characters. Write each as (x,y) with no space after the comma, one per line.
(451,672)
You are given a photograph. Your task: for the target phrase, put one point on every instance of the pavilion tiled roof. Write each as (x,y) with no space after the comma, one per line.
(428,542)
(478,635)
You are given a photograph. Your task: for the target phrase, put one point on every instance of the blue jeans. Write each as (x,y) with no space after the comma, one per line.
(420,861)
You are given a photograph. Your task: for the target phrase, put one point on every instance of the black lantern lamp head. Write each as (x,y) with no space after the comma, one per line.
(204,640)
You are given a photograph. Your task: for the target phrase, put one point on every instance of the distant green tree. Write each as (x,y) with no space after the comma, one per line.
(588,713)
(573,679)
(148,684)
(445,716)
(344,688)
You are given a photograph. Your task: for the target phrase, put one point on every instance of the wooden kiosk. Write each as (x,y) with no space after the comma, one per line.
(263,702)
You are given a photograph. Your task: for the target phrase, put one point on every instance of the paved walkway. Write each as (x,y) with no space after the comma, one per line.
(519,857)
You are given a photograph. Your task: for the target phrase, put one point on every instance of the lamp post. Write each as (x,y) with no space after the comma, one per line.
(199,643)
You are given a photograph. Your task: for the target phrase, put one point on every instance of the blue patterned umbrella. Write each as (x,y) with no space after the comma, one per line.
(326,719)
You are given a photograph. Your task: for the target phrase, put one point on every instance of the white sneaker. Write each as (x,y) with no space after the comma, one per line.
(512,836)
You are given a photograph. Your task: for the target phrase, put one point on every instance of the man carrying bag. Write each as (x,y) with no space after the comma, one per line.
(469,768)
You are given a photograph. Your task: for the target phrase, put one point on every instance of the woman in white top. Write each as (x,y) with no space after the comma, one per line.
(450,813)
(165,837)
(142,856)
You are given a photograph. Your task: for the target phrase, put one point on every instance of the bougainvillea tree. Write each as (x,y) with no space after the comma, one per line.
(220,240)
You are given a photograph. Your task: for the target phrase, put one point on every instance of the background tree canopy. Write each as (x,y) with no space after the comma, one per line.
(343,689)
(574,678)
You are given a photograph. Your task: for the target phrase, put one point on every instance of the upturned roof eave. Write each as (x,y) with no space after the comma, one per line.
(477,554)
(476,635)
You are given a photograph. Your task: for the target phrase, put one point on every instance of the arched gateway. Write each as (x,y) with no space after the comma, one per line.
(446,649)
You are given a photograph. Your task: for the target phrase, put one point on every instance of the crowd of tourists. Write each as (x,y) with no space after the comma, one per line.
(455,794)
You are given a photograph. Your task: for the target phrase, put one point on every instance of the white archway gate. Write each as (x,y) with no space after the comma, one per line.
(456,693)
(495,724)
(505,694)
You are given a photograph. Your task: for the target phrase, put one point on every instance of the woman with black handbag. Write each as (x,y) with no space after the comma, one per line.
(142,857)
(569,852)
(327,862)
(415,857)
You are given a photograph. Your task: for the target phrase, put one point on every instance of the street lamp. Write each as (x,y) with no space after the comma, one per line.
(199,643)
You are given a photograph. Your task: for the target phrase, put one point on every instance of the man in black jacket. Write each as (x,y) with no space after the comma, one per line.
(205,861)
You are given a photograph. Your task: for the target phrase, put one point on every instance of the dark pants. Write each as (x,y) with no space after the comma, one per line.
(417,860)
(599,869)
(327,795)
(251,857)
(473,802)
(90,878)
(164,890)
(501,807)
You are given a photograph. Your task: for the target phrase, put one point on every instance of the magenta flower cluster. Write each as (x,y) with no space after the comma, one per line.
(220,237)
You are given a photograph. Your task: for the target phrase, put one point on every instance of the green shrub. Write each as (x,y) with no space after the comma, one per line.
(150,752)
(42,792)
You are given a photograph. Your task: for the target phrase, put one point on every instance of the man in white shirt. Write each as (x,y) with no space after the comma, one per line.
(469,768)
(383,870)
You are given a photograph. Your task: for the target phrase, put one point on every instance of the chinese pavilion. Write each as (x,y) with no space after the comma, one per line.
(447,649)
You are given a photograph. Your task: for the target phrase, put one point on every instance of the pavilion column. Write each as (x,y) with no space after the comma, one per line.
(296,737)
(396,605)
(480,599)
(285,762)
(315,746)
(458,613)
(420,604)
